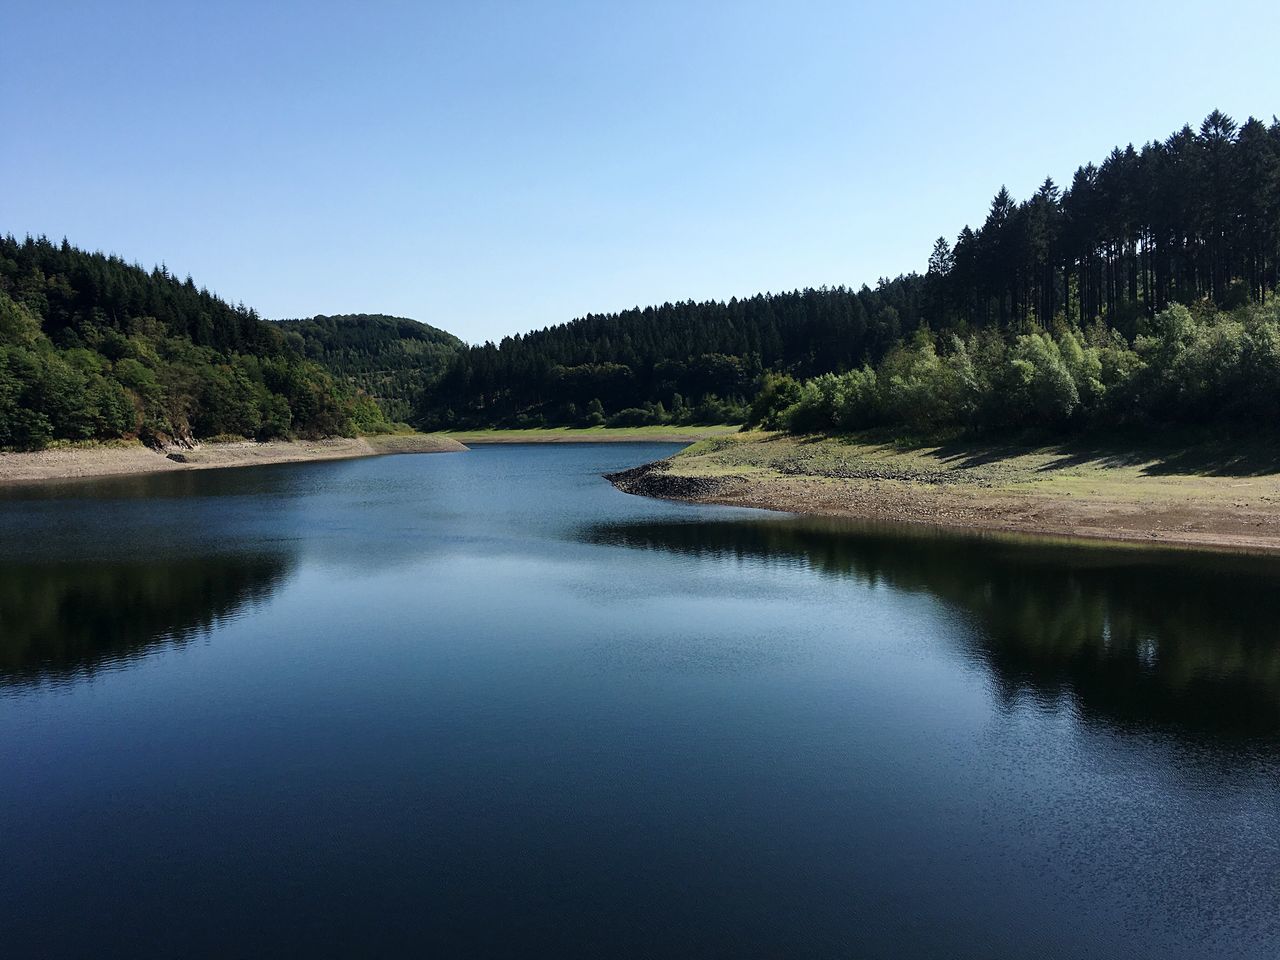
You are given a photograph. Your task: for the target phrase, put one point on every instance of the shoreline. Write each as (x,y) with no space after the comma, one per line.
(1099,501)
(667,434)
(135,459)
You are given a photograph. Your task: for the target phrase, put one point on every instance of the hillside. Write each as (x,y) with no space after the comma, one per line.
(393,359)
(1191,220)
(95,348)
(693,362)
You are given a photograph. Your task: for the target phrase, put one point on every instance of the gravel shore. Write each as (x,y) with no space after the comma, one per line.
(68,463)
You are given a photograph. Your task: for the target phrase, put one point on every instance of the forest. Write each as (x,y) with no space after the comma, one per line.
(391,359)
(94,348)
(684,363)
(1195,366)
(1141,292)
(1148,271)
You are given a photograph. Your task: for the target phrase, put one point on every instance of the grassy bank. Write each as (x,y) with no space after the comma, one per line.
(1210,494)
(658,434)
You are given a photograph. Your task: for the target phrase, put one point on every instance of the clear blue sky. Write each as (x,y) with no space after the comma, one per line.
(494,167)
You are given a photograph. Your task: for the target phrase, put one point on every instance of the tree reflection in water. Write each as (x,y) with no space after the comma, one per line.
(1134,638)
(62,620)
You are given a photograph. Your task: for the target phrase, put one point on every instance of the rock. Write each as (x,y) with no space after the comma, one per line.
(653,480)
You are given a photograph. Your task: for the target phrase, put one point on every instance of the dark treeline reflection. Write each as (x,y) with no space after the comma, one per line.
(1139,639)
(67,619)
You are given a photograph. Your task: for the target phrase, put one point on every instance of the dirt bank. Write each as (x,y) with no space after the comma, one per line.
(1191,498)
(66,463)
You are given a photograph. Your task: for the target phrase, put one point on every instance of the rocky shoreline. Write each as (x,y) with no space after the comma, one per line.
(654,480)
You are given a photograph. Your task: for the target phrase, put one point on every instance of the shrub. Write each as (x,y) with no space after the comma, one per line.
(777,393)
(632,417)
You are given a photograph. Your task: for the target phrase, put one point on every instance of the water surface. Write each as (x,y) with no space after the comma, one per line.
(484,705)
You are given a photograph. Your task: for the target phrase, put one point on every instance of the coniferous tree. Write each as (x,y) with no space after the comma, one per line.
(1194,217)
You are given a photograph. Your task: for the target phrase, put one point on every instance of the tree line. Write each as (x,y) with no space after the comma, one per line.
(1195,216)
(391,359)
(687,362)
(1188,367)
(1190,220)
(94,348)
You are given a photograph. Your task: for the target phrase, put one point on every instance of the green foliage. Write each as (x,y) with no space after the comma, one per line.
(595,414)
(713,409)
(1038,385)
(1133,295)
(1200,366)
(18,326)
(701,361)
(633,417)
(912,383)
(777,393)
(77,363)
(392,359)
(834,402)
(1193,218)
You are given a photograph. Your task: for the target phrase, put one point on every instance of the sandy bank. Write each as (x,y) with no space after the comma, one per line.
(1177,498)
(67,463)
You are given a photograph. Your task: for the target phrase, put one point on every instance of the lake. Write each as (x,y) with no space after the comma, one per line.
(483,704)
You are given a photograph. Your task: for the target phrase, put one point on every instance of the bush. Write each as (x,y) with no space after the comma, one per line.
(714,410)
(777,393)
(818,406)
(633,417)
(1038,383)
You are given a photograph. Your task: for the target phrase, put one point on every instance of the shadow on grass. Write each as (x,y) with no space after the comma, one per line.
(1220,460)
(1162,454)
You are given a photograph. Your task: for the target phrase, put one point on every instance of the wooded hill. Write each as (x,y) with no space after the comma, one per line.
(93,347)
(392,359)
(1034,317)
(1192,219)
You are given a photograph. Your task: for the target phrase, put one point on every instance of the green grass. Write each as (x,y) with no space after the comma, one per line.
(1116,469)
(594,434)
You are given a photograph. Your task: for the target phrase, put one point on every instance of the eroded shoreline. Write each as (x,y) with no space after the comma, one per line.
(1042,493)
(72,463)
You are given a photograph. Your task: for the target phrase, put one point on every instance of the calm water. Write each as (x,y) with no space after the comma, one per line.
(484,705)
